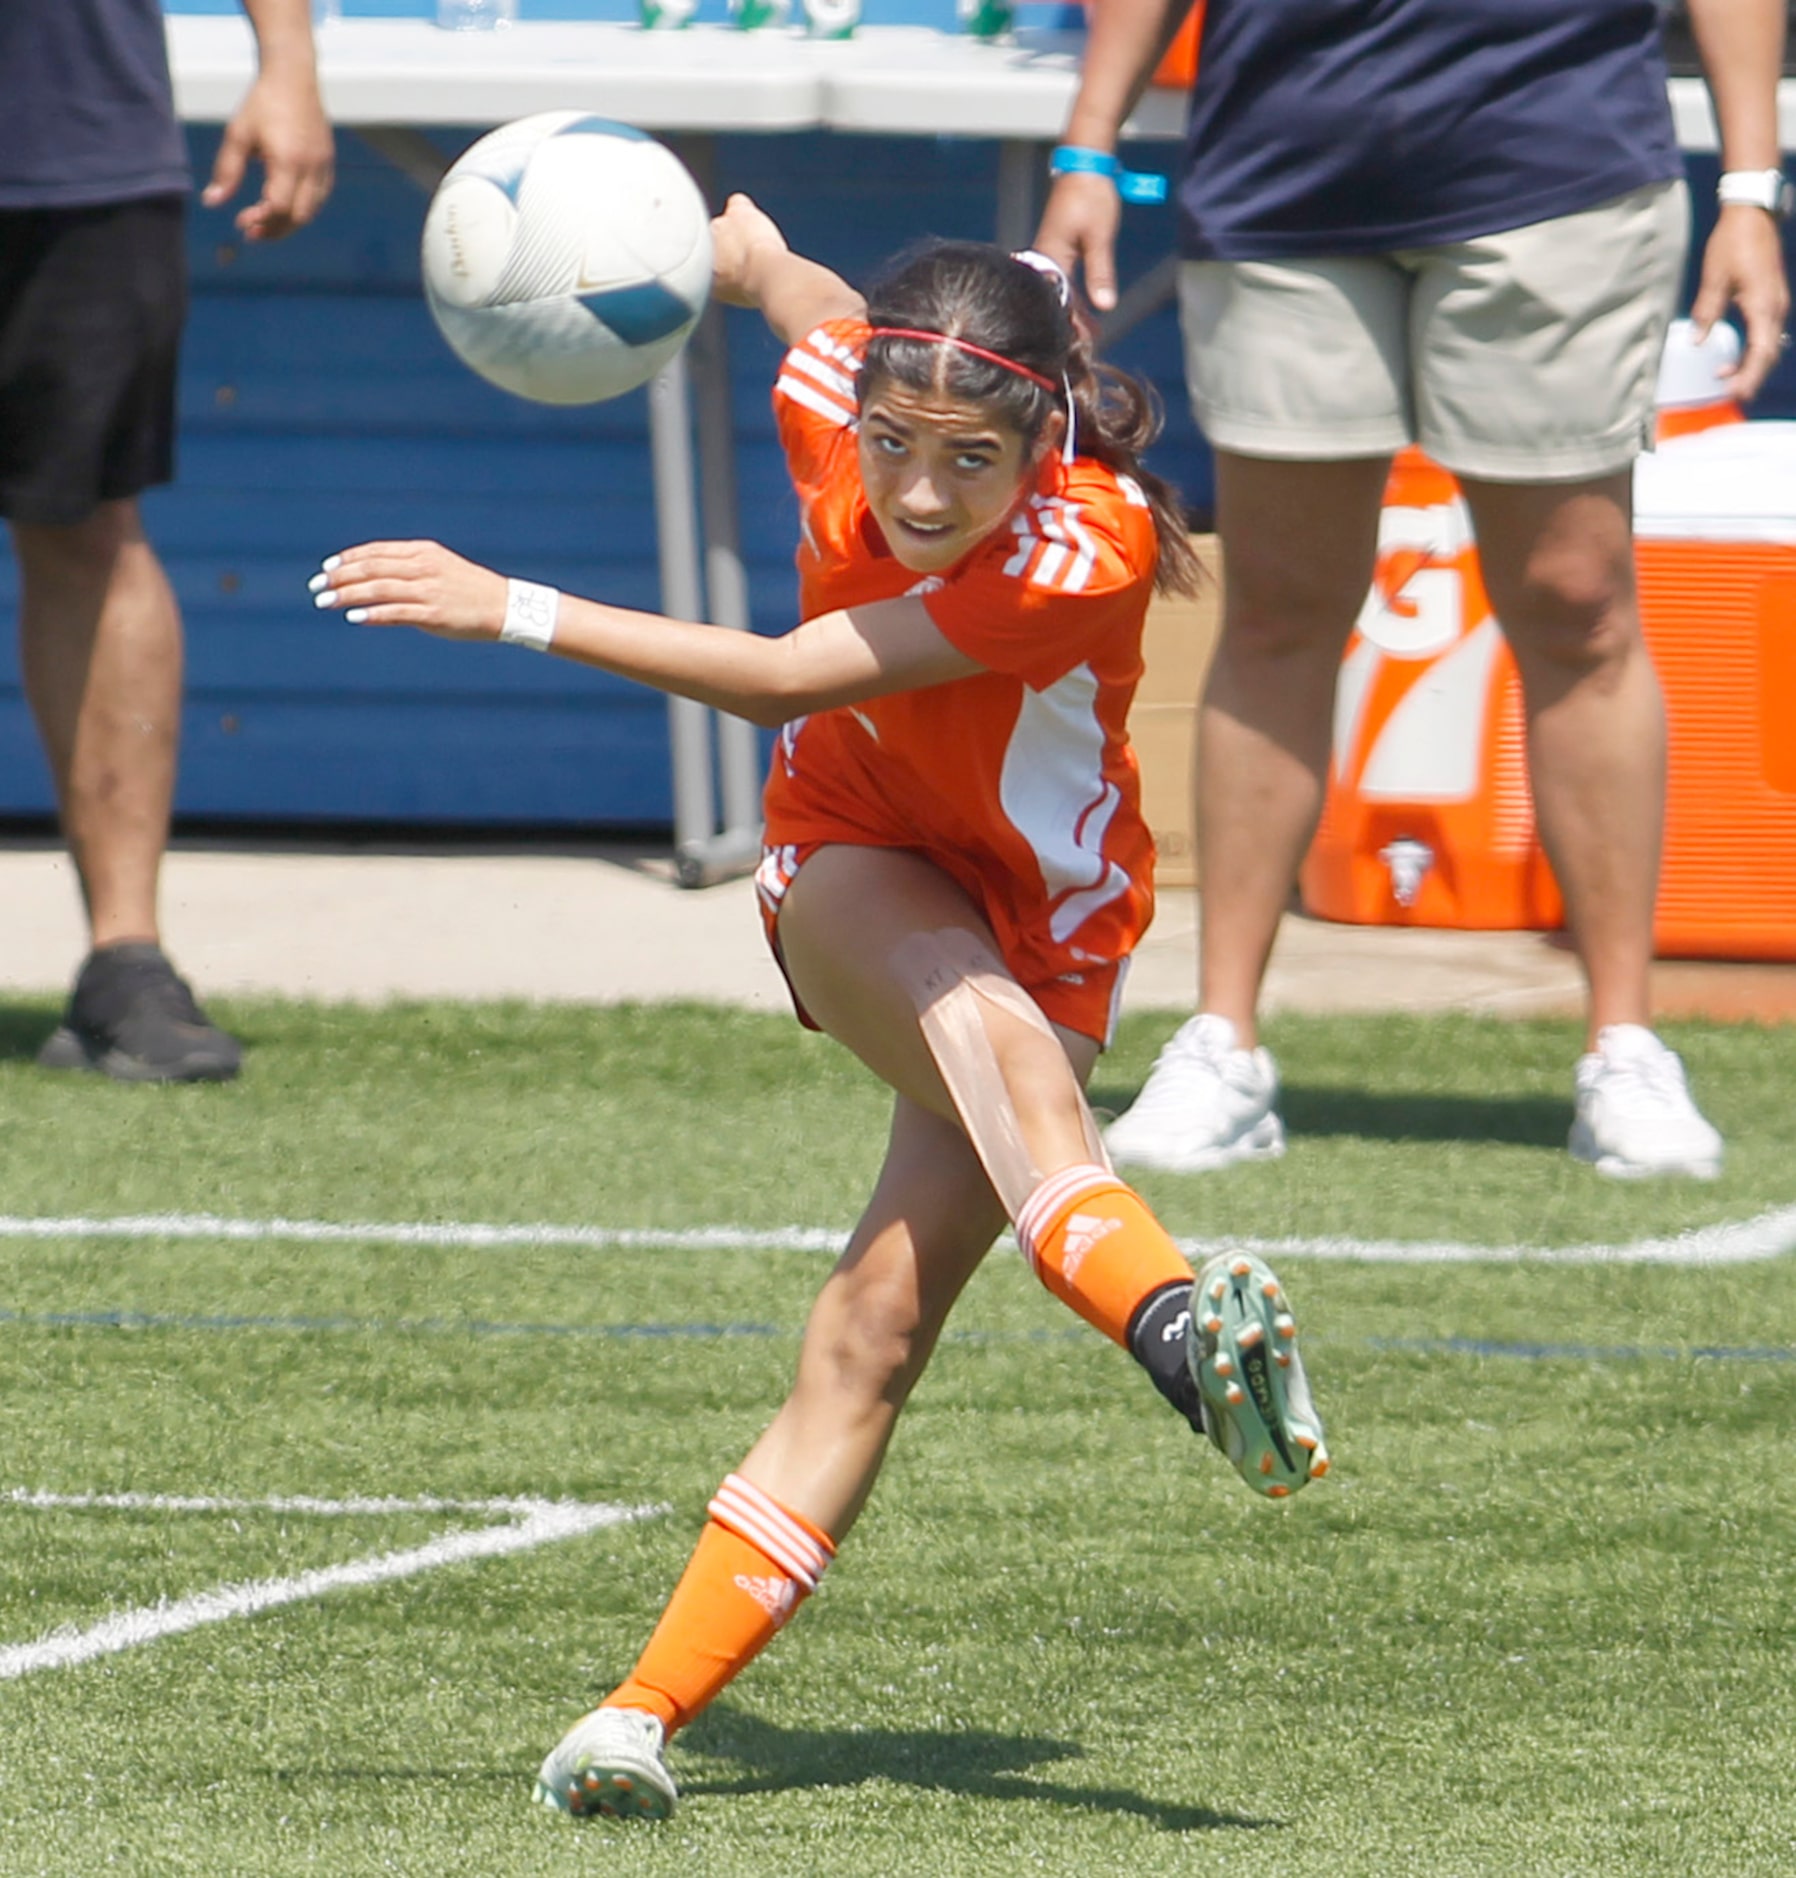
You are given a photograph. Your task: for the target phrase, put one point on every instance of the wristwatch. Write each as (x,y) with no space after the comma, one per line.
(1758,189)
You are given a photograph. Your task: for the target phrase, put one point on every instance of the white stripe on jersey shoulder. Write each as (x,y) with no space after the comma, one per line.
(820,342)
(818,372)
(1054,548)
(799,391)
(827,375)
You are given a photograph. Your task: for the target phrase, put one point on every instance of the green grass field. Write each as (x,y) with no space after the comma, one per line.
(1538,1620)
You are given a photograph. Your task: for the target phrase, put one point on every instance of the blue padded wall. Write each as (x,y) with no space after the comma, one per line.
(319,406)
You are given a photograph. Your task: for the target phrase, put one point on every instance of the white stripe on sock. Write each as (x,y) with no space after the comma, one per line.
(1053,1197)
(742,1508)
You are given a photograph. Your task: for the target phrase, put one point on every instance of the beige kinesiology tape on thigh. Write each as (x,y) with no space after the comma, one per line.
(953,979)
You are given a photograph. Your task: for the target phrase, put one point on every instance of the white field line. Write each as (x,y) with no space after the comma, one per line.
(535,1522)
(1766,1235)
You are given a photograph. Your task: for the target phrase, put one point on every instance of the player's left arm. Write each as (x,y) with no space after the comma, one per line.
(753,267)
(837,658)
(1741,43)
(280,123)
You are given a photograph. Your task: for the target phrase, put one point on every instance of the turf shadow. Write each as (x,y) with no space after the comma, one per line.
(1526,1121)
(1311,1109)
(23,1028)
(978,1763)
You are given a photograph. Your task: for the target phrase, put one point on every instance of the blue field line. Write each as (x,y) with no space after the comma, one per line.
(456,1327)
(700,1332)
(1580,1352)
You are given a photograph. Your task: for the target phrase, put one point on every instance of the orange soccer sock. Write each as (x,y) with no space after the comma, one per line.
(1092,1241)
(754,1563)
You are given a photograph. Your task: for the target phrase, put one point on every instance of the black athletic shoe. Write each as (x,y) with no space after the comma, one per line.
(132,1019)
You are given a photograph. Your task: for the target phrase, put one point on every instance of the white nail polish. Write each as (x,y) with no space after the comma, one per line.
(330,561)
(356,615)
(319,582)
(326,598)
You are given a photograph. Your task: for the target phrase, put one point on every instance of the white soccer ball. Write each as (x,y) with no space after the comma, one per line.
(567,258)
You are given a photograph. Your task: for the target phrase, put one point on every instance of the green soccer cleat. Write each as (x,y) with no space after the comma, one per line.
(1242,1348)
(609,1763)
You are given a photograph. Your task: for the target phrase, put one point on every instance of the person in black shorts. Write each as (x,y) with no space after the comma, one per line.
(93,295)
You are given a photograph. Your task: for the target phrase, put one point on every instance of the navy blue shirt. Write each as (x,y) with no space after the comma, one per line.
(86,110)
(1359,126)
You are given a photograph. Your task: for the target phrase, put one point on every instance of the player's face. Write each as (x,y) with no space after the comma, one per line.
(940,472)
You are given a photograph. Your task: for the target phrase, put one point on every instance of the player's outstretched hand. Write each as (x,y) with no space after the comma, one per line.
(412,583)
(740,236)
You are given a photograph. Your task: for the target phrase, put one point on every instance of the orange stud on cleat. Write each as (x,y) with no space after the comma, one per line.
(1285,1326)
(1250,1336)
(1235,1395)
(1319,1469)
(1307,1442)
(1213,1324)
(1224,1367)
(1219,1291)
(1270,1289)
(1282,1358)
(1265,1463)
(1242,1268)
(1278,1493)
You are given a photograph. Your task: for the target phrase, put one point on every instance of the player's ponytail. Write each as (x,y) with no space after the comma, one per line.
(1015,344)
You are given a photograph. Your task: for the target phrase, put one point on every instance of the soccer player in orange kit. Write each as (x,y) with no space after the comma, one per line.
(956,871)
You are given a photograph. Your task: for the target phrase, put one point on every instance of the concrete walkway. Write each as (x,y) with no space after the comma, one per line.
(608,924)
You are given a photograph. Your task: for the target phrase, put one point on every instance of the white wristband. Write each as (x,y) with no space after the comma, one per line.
(1754,189)
(530,613)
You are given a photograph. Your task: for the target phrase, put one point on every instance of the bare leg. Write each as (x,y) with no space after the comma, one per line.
(100,642)
(1559,566)
(846,915)
(1299,541)
(874,1325)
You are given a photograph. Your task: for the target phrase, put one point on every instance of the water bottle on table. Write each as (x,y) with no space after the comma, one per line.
(475,16)
(832,19)
(986,19)
(750,16)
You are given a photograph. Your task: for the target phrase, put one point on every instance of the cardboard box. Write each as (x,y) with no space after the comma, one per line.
(1176,647)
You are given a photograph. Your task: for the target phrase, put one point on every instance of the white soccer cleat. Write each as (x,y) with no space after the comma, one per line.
(610,1763)
(1206,1104)
(1635,1117)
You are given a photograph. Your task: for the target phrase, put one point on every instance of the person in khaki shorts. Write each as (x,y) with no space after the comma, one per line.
(1459,223)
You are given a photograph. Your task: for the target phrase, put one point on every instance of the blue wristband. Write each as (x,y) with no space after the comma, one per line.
(1073,159)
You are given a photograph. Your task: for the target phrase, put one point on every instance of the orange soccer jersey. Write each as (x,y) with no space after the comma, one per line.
(1018,782)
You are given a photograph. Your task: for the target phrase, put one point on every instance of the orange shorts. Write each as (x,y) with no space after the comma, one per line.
(1086,1001)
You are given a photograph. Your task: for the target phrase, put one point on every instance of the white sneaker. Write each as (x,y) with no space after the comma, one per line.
(1635,1117)
(609,1762)
(1205,1104)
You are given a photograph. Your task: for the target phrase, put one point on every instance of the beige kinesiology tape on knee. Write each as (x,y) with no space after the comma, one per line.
(952,978)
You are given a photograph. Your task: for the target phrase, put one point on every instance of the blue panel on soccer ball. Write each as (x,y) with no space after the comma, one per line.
(511,179)
(603,127)
(641,314)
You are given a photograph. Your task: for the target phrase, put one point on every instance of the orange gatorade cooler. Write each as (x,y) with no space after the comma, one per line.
(1715,520)
(1427,818)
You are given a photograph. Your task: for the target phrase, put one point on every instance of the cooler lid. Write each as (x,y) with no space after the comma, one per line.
(1736,482)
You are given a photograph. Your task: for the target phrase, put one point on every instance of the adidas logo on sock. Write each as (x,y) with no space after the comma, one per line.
(1084,1231)
(775,1596)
